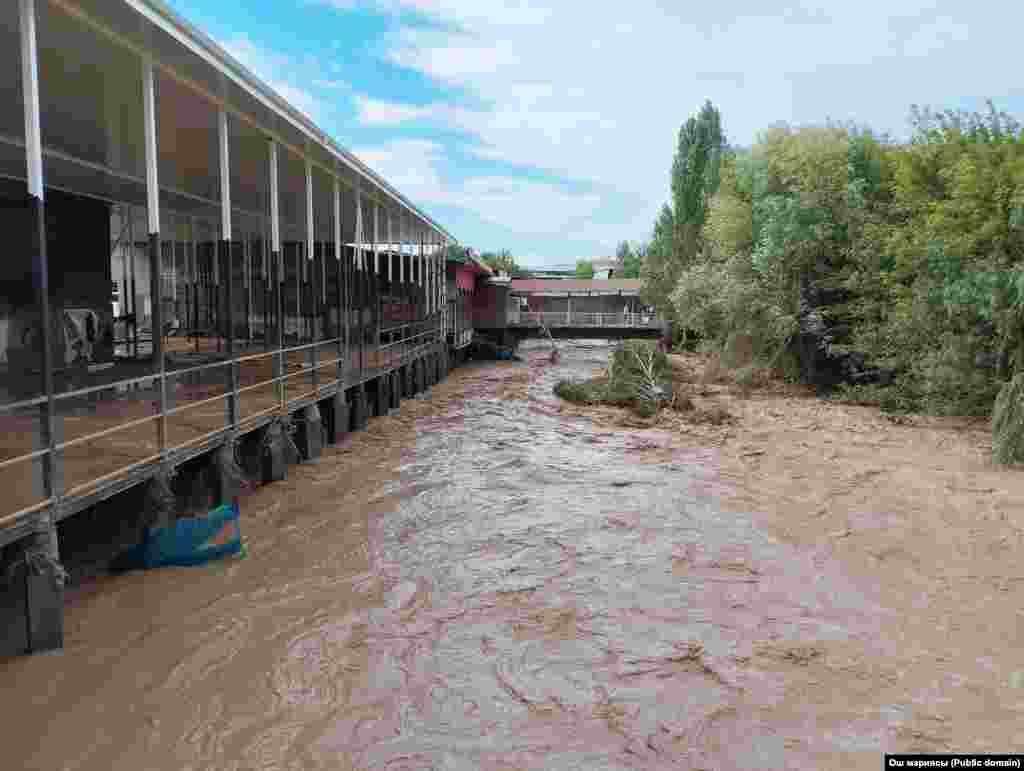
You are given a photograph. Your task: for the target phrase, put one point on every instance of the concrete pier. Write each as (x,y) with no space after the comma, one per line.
(395,390)
(359,411)
(273,459)
(309,434)
(419,378)
(381,396)
(31,596)
(337,418)
(409,381)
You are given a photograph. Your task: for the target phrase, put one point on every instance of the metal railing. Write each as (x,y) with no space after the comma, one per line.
(577,319)
(227,395)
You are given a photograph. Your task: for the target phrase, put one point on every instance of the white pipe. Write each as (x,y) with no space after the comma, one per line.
(275,213)
(359,230)
(310,236)
(225,180)
(149,118)
(376,239)
(337,219)
(30,91)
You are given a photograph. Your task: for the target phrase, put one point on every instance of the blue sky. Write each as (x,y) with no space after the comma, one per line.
(548,128)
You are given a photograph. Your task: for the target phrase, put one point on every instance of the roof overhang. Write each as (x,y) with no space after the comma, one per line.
(212,67)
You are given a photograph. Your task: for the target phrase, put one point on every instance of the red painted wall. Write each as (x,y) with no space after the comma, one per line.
(465,277)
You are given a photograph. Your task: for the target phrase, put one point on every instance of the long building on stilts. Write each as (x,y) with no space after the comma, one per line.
(190,264)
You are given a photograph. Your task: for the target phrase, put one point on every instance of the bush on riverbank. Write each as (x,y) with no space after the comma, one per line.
(638,376)
(1008,423)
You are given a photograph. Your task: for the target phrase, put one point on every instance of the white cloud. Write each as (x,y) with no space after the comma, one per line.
(935,37)
(377,112)
(410,165)
(332,84)
(524,206)
(591,94)
(643,77)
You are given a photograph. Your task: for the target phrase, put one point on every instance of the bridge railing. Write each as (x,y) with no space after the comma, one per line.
(577,319)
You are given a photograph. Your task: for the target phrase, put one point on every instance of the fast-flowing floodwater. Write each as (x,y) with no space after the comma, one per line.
(479,582)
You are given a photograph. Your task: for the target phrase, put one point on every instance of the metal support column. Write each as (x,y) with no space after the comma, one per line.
(44,593)
(277,275)
(340,304)
(155,266)
(311,262)
(360,282)
(376,283)
(228,272)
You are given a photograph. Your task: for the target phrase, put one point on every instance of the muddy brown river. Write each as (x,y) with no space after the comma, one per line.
(480,581)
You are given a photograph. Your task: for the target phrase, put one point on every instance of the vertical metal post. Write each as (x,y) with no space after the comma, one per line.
(175,305)
(360,276)
(215,293)
(442,277)
(376,237)
(131,272)
(122,248)
(401,262)
(422,283)
(339,297)
(437,277)
(376,282)
(194,280)
(155,262)
(40,261)
(311,260)
(265,277)
(247,283)
(391,244)
(45,615)
(228,261)
(339,252)
(277,274)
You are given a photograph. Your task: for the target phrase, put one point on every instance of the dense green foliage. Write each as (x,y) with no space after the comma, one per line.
(678,241)
(501,261)
(922,241)
(584,269)
(629,258)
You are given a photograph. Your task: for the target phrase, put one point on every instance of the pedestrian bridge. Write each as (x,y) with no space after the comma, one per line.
(577,308)
(576,324)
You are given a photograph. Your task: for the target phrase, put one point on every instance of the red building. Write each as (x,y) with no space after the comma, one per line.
(465,278)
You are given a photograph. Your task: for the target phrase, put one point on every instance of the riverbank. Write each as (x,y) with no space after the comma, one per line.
(912,508)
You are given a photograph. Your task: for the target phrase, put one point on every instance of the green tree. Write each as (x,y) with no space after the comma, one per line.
(502,261)
(629,259)
(695,179)
(657,270)
(584,269)
(778,215)
(677,240)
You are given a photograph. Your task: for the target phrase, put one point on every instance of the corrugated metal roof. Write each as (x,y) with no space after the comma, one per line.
(575,285)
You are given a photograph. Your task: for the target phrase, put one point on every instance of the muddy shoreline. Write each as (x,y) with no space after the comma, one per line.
(913,509)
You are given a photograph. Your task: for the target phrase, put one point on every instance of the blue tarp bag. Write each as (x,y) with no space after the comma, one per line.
(189,541)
